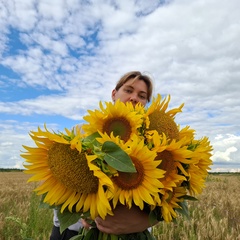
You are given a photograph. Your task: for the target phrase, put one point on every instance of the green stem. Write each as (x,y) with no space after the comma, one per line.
(99,235)
(114,237)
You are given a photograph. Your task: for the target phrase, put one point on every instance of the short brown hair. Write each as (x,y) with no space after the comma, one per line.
(136,75)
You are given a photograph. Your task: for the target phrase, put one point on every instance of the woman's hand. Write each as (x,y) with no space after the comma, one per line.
(85,223)
(124,221)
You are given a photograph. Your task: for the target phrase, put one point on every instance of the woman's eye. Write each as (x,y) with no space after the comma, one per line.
(128,91)
(142,97)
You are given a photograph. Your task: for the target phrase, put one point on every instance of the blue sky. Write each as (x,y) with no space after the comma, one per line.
(59,58)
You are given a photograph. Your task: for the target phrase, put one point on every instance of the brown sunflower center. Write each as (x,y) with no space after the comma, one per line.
(71,168)
(163,123)
(167,163)
(119,126)
(129,181)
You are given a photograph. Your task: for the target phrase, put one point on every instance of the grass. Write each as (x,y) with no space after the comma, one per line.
(214,217)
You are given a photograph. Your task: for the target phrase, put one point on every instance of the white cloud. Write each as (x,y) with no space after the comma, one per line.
(13,135)
(80,49)
(45,9)
(5,144)
(226,152)
(20,14)
(224,156)
(48,43)
(230,170)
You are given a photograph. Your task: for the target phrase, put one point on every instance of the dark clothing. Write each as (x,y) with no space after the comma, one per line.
(66,234)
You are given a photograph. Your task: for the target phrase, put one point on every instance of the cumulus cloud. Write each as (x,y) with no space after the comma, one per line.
(226,155)
(62,57)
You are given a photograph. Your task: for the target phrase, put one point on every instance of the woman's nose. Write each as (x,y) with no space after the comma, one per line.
(134,99)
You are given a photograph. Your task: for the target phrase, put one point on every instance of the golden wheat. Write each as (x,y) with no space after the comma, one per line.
(20,215)
(215,216)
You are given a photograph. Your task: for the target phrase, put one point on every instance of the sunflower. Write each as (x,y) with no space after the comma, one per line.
(143,185)
(67,176)
(188,134)
(103,137)
(198,171)
(170,202)
(86,201)
(173,155)
(160,120)
(119,118)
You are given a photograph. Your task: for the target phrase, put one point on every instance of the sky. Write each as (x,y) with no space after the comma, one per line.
(59,58)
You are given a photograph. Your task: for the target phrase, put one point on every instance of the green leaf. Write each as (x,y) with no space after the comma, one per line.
(145,235)
(184,209)
(42,204)
(66,219)
(92,234)
(149,235)
(191,198)
(91,141)
(117,158)
(77,237)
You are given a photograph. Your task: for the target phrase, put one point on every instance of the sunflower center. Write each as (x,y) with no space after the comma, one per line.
(163,123)
(71,168)
(167,163)
(129,181)
(119,126)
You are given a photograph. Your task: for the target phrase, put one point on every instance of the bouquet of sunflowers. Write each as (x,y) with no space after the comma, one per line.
(122,155)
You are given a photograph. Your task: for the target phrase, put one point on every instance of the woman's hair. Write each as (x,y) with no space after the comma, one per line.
(135,75)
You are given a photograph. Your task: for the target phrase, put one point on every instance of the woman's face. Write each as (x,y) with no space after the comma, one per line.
(131,91)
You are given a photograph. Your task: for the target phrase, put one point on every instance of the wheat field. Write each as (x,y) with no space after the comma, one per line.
(216,216)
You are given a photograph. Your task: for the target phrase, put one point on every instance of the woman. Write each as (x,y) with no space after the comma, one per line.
(136,88)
